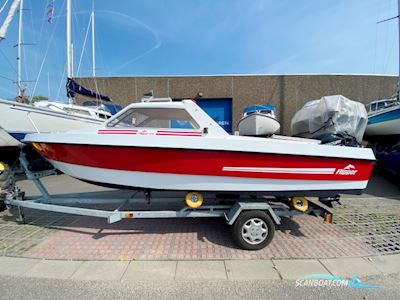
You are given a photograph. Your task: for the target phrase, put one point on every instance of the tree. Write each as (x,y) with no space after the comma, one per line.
(39,98)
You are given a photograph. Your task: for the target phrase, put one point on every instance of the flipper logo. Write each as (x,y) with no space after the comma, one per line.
(330,280)
(348,170)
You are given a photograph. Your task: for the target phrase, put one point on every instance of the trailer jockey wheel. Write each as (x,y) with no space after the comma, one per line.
(194,199)
(253,230)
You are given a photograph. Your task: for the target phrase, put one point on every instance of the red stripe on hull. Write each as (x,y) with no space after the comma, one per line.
(180,134)
(205,162)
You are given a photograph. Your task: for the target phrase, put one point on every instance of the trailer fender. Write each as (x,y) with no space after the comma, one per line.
(238,207)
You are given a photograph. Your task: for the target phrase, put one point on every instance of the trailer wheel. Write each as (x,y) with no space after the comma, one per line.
(253,230)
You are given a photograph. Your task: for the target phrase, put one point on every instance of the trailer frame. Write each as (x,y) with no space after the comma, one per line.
(230,210)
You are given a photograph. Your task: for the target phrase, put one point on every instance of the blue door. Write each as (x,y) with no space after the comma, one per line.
(218,109)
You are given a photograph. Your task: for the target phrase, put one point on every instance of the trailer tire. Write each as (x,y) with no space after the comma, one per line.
(253,230)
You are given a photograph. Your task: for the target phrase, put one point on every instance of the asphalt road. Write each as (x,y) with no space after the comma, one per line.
(30,288)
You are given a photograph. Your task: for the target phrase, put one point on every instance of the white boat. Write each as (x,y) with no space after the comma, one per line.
(383,118)
(259,120)
(19,119)
(177,146)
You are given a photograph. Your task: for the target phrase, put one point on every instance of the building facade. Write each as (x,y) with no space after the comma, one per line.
(226,96)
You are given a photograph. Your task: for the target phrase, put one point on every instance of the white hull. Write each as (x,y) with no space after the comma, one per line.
(258,124)
(19,119)
(168,181)
(391,127)
(7,140)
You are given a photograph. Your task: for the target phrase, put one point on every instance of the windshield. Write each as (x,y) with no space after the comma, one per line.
(155,118)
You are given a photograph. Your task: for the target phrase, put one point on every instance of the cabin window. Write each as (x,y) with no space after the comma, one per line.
(76,111)
(155,118)
(381,105)
(53,107)
(373,107)
(102,116)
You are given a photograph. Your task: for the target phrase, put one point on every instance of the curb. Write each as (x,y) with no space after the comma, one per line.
(233,270)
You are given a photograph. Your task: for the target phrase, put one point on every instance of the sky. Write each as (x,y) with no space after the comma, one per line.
(200,37)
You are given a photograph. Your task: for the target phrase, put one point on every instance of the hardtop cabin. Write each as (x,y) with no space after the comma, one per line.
(376,106)
(184,115)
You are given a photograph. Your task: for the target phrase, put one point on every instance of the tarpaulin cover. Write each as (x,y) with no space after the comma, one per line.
(330,114)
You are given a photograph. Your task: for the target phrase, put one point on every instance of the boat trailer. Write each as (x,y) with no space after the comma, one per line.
(252,219)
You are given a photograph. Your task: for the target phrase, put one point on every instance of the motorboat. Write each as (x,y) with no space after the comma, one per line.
(19,119)
(383,118)
(177,146)
(332,119)
(259,120)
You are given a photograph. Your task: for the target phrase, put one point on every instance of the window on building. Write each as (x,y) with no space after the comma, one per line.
(155,118)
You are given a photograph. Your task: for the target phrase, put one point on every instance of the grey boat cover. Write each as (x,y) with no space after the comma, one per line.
(330,114)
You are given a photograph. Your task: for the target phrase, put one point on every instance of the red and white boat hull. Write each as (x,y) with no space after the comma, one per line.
(202,158)
(208,170)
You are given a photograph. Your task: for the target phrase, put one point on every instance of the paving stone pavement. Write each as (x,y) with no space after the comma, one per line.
(366,225)
(85,238)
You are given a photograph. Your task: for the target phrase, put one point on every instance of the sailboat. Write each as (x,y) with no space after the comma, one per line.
(384,115)
(19,119)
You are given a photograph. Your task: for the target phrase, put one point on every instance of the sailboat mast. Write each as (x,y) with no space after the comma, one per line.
(93,48)
(19,60)
(69,46)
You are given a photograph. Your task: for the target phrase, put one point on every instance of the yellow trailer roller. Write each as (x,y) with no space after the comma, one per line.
(194,199)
